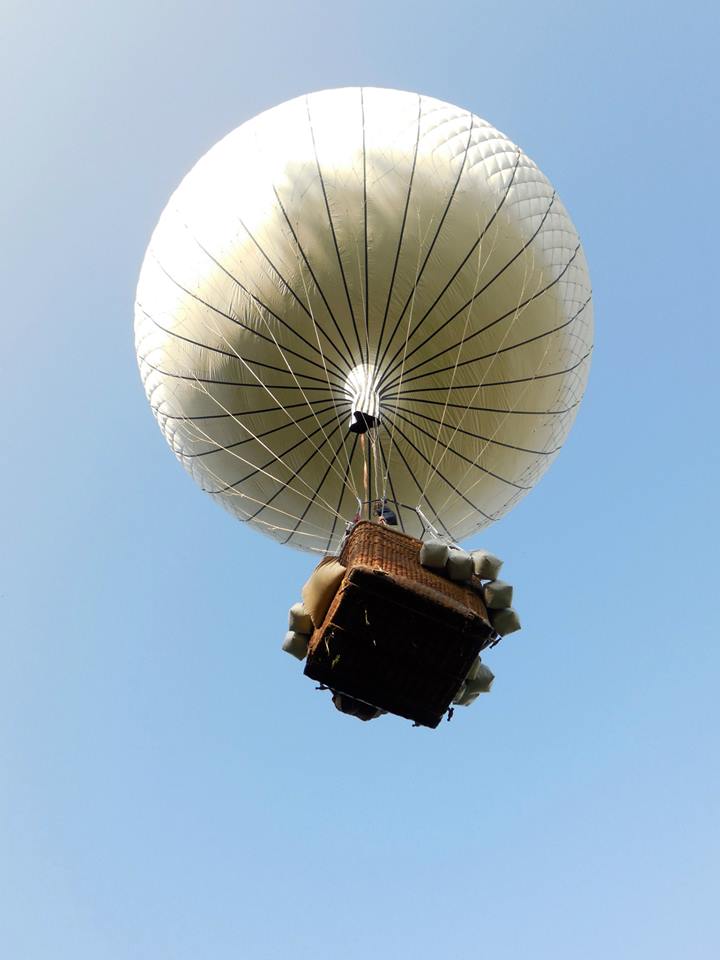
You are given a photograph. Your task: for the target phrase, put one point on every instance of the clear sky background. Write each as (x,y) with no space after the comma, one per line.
(171,786)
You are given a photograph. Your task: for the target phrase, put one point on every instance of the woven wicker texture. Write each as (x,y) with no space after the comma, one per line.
(383,548)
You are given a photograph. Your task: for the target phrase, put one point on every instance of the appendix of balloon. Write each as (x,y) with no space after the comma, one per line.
(364,326)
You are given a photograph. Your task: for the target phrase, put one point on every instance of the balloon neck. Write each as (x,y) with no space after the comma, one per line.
(361,390)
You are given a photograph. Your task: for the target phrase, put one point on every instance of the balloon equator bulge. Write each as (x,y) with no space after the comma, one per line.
(364,250)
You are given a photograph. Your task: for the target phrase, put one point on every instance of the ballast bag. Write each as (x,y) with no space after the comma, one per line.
(320,589)
(299,619)
(459,565)
(434,554)
(486,565)
(497,595)
(296,644)
(505,621)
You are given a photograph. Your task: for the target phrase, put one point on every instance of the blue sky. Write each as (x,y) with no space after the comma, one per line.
(171,787)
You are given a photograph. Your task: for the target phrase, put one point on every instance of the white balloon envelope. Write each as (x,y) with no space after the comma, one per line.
(370,259)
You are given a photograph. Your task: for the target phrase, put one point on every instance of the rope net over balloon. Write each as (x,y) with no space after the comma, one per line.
(376,244)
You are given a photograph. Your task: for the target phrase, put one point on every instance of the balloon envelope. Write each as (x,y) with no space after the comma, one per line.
(364,250)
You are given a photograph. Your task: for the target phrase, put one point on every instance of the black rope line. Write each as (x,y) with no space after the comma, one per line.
(332,228)
(495,353)
(468,433)
(497,383)
(343,489)
(461,456)
(221,448)
(319,488)
(504,410)
(285,323)
(388,477)
(479,240)
(437,473)
(239,323)
(315,280)
(423,496)
(391,369)
(235,356)
(402,231)
(233,383)
(239,413)
(419,275)
(276,458)
(296,475)
(365,228)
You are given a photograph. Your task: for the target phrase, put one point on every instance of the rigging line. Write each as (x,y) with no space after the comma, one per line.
(332,226)
(539,293)
(527,272)
(267,523)
(457,453)
(390,369)
(302,253)
(239,443)
(513,498)
(514,346)
(414,480)
(402,231)
(501,383)
(480,268)
(421,271)
(366,305)
(275,458)
(232,383)
(306,308)
(523,391)
(232,355)
(322,357)
(449,483)
(378,466)
(245,290)
(237,494)
(343,488)
(228,488)
(223,416)
(198,380)
(474,436)
(289,486)
(478,241)
(292,374)
(255,301)
(482,263)
(392,488)
(497,514)
(409,321)
(305,533)
(457,358)
(392,365)
(366,479)
(372,435)
(307,508)
(464,406)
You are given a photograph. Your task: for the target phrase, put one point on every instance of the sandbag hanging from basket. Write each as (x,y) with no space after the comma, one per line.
(321,587)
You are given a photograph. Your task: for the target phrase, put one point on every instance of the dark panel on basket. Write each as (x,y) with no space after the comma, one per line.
(395,643)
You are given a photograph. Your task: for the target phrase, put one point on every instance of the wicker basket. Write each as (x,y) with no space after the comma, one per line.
(397,635)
